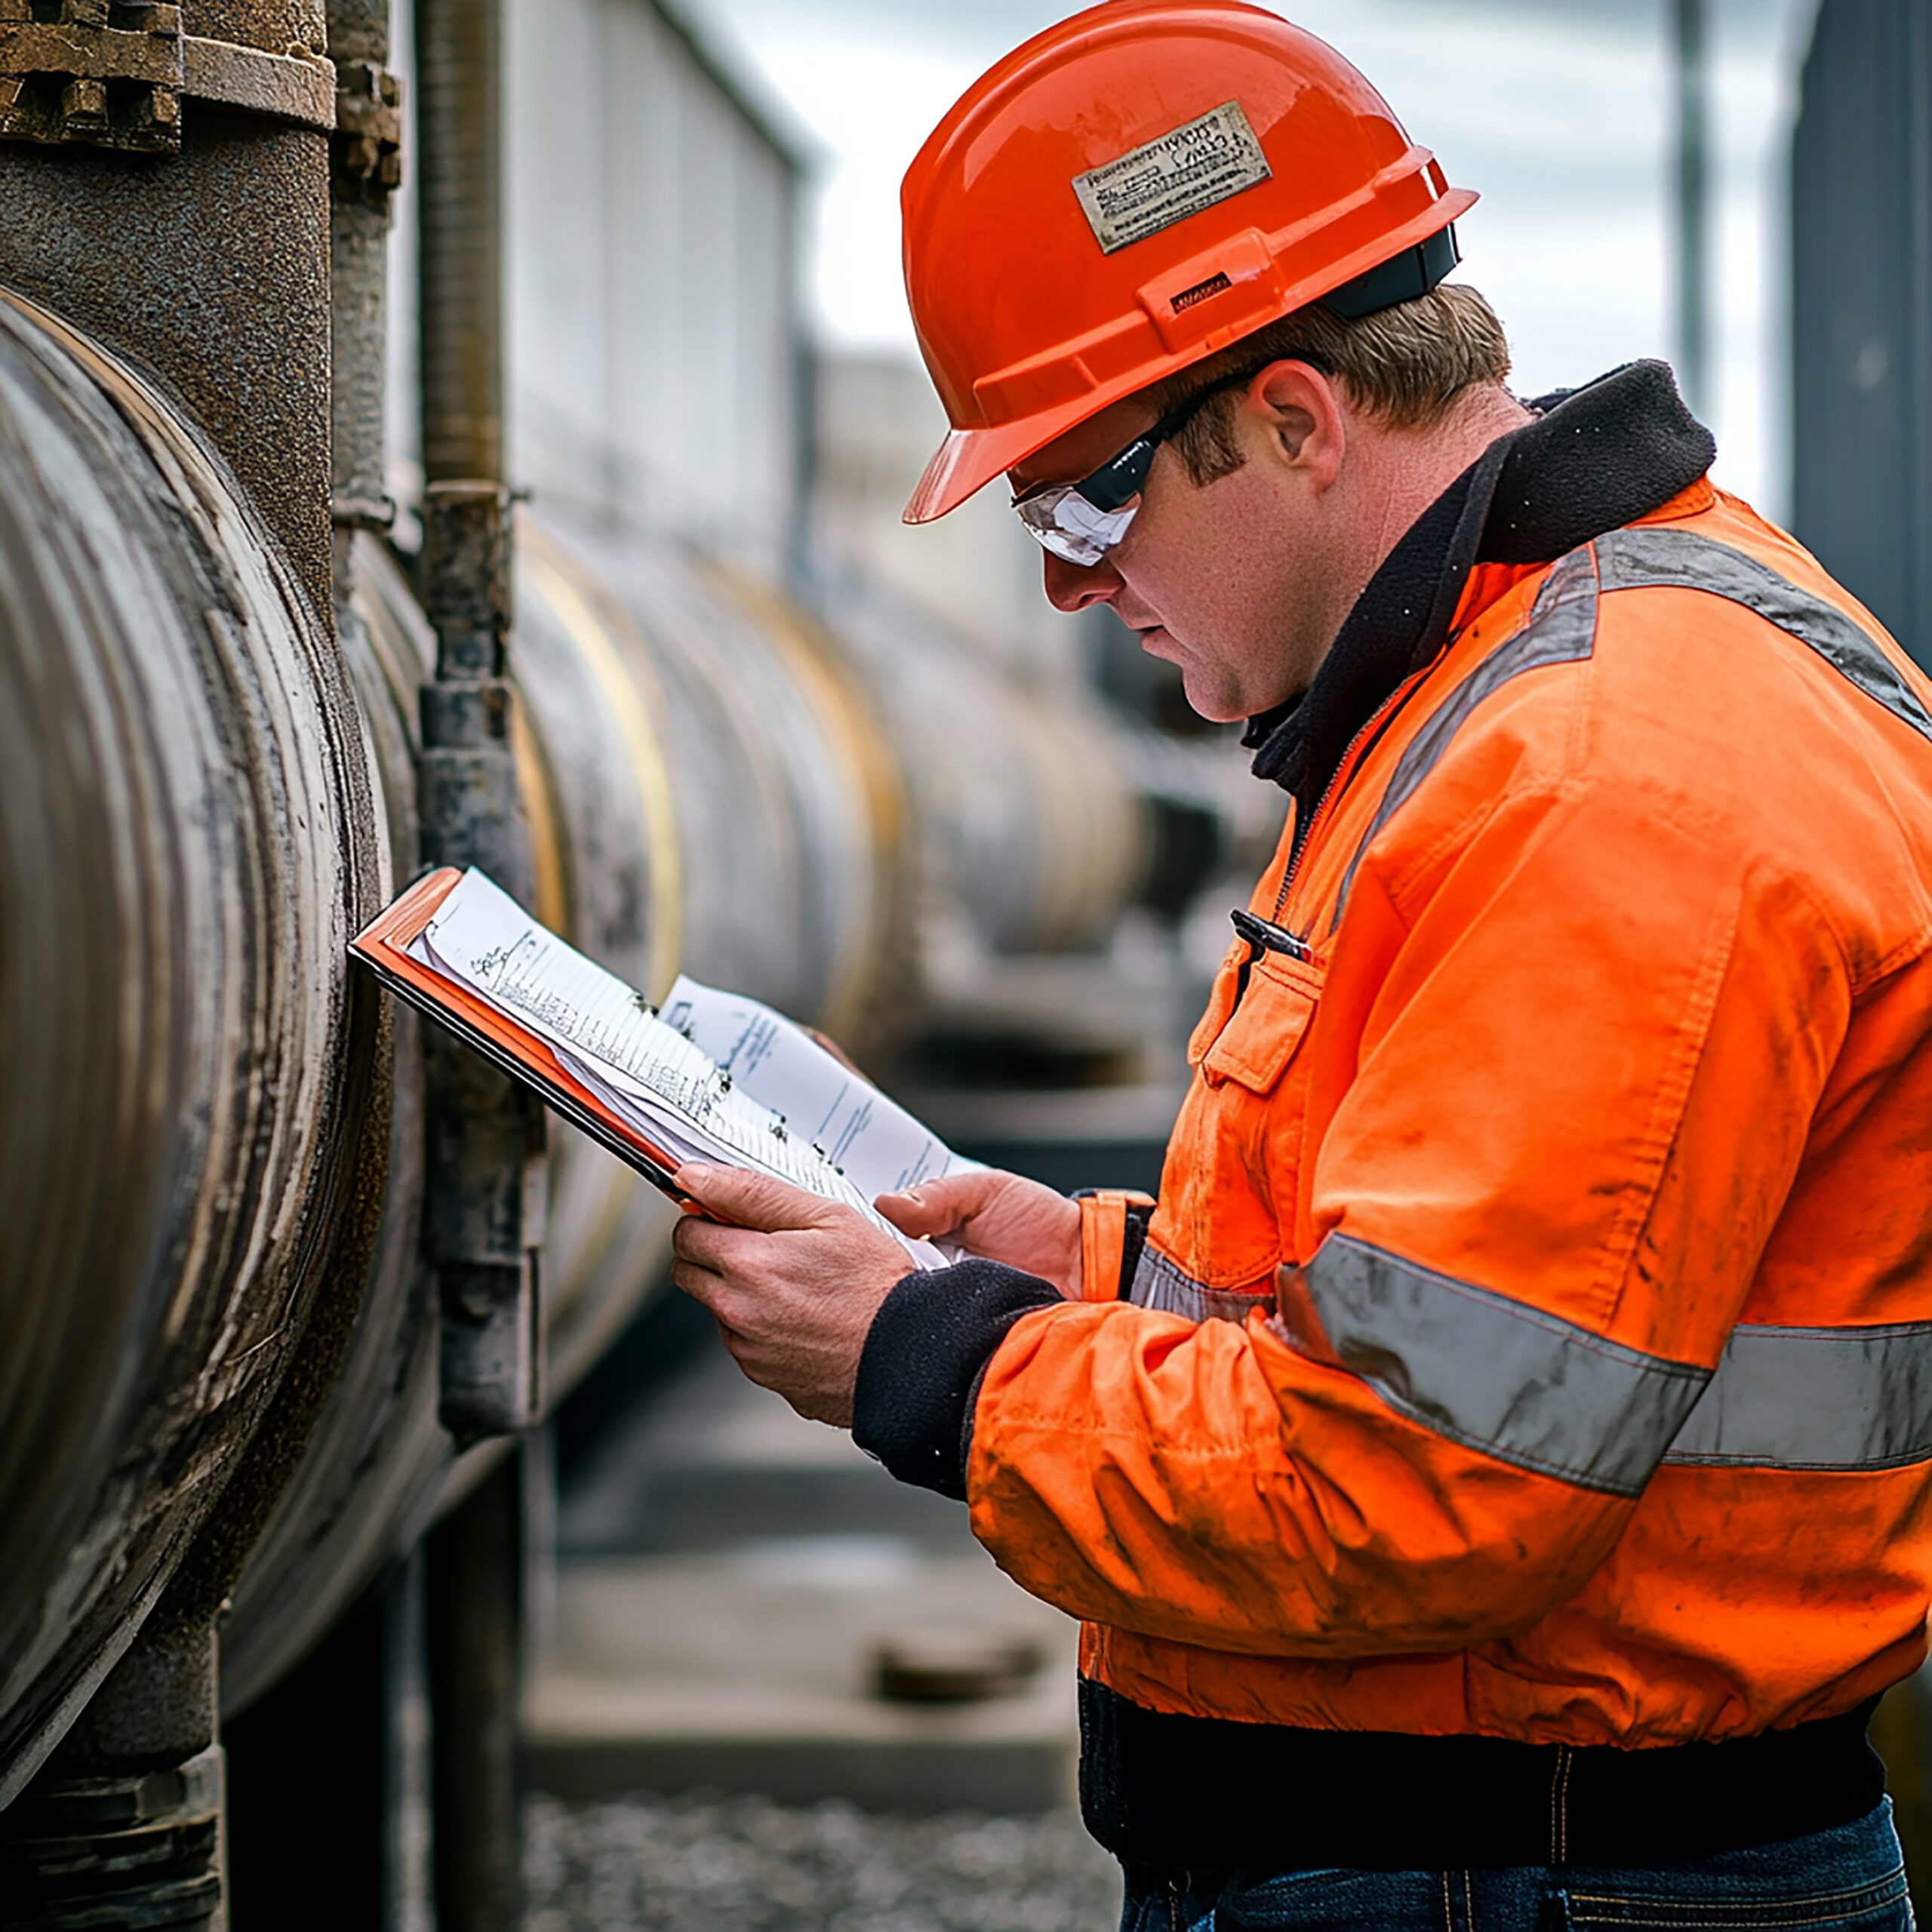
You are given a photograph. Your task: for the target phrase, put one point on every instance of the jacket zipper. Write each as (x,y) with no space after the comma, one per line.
(1270,935)
(1303,833)
(1265,936)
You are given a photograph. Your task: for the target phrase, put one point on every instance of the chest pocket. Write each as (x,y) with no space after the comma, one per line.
(1248,1035)
(1228,1192)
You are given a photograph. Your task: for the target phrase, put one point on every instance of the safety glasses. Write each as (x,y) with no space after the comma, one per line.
(1082,521)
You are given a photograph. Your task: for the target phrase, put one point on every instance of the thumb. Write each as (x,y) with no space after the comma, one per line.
(746,1199)
(937,1208)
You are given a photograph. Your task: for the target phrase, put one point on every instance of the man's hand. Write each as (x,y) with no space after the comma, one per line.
(793,1283)
(1000,1215)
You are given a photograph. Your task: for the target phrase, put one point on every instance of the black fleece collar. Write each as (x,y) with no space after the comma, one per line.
(1595,459)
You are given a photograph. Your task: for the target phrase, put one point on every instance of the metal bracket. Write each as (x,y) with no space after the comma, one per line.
(112,74)
(484,1204)
(353,512)
(368,148)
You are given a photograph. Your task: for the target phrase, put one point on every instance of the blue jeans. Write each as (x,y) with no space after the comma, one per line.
(1850,1876)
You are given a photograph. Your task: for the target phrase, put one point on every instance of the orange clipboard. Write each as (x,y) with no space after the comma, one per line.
(382,945)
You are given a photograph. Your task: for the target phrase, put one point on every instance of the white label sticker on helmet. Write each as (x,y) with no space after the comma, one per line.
(1170,178)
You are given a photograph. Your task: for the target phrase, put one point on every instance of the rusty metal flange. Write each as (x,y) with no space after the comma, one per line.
(113,73)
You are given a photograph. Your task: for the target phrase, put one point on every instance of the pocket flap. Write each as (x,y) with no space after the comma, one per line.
(1220,1003)
(1260,1036)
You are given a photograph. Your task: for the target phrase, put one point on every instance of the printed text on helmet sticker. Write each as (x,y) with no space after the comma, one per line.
(1168,179)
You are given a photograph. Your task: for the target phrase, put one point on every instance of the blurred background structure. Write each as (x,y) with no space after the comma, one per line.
(442,1504)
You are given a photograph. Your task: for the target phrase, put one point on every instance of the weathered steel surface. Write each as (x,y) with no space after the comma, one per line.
(359,237)
(292,87)
(121,1827)
(487,1138)
(279,26)
(377,1457)
(368,119)
(209,267)
(366,168)
(1861,185)
(189,832)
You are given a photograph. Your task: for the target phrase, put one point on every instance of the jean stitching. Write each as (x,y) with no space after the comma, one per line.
(1469,1905)
(1752,1924)
(1891,1878)
(1448,1907)
(1718,1917)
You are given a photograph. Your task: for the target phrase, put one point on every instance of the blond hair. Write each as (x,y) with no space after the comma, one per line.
(1405,366)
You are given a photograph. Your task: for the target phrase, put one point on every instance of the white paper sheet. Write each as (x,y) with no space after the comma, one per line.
(880,1147)
(609,1036)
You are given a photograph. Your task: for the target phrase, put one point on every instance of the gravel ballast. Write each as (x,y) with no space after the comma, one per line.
(746,1864)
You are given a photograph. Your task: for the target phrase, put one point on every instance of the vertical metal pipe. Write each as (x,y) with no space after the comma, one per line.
(366,168)
(1690,72)
(485,1174)
(409,1882)
(458,119)
(483,1209)
(475,1617)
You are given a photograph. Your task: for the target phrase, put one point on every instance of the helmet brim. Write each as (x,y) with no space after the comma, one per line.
(970,459)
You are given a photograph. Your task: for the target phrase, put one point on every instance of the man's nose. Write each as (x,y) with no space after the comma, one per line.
(1072,587)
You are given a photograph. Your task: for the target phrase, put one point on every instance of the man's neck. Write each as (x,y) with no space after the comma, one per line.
(1596,458)
(1412,467)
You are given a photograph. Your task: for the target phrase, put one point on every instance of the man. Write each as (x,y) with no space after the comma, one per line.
(1495,1479)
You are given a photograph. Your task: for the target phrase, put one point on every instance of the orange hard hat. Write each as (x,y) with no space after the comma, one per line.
(1133,189)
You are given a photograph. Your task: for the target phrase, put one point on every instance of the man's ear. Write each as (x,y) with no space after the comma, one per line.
(1300,411)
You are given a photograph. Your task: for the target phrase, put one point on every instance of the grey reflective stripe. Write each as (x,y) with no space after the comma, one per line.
(1532,1389)
(1509,1381)
(1561,628)
(1815,1399)
(1157,1283)
(1678,559)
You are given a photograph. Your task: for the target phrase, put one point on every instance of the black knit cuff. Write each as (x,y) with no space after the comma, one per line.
(1134,1244)
(924,1354)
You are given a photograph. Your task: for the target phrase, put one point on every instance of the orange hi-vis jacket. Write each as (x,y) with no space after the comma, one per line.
(1590,1108)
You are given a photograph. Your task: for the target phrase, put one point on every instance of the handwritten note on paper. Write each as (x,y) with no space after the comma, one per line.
(879,1145)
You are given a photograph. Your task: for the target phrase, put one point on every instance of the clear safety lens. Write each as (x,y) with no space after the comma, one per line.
(1071,527)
